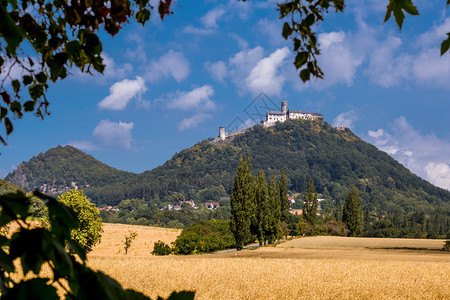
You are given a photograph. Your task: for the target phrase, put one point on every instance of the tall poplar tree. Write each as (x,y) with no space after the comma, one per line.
(352,214)
(241,203)
(284,201)
(262,207)
(310,204)
(273,229)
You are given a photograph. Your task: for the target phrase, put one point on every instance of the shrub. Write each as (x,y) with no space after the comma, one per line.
(161,248)
(204,237)
(446,246)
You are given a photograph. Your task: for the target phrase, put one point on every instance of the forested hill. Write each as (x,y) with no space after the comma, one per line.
(62,168)
(334,159)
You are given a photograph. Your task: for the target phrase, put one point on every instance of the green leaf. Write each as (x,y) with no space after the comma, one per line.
(143,16)
(287,30)
(36,288)
(6,262)
(16,108)
(24,240)
(27,79)
(305,75)
(16,86)
(41,77)
(445,44)
(396,7)
(301,59)
(29,105)
(183,295)
(6,97)
(12,33)
(8,126)
(3,112)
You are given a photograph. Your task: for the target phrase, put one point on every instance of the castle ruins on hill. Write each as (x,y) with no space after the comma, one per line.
(272,117)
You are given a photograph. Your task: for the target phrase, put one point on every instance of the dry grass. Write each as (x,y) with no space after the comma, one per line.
(114,235)
(307,268)
(374,243)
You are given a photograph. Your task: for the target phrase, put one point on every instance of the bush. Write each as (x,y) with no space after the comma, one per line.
(161,248)
(204,237)
(446,246)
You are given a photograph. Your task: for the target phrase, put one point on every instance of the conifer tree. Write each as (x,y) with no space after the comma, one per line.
(310,204)
(352,214)
(273,228)
(284,201)
(241,199)
(262,207)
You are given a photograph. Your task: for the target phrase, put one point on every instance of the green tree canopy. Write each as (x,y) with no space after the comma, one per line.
(310,203)
(352,213)
(241,200)
(64,35)
(89,231)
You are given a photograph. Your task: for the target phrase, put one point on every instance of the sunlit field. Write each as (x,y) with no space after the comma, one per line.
(306,268)
(114,235)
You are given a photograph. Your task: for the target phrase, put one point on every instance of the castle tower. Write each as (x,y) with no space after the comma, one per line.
(222,133)
(284,106)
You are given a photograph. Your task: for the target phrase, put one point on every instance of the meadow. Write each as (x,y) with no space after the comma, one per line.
(304,268)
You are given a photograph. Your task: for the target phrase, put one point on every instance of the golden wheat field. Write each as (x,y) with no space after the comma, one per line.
(305,268)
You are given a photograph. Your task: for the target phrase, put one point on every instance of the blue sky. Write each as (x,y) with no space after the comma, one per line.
(171,84)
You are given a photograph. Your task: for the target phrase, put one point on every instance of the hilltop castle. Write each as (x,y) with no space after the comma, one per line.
(286,114)
(272,117)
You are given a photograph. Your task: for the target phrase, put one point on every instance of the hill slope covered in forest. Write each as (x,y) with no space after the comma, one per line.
(334,159)
(62,168)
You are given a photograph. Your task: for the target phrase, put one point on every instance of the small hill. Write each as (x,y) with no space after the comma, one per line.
(63,168)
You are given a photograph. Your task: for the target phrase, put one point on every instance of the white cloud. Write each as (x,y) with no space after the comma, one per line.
(425,155)
(84,145)
(432,69)
(435,35)
(114,71)
(138,54)
(172,64)
(242,63)
(198,99)
(265,76)
(114,134)
(243,44)
(439,174)
(346,119)
(198,30)
(272,31)
(386,67)
(122,92)
(193,121)
(218,70)
(210,19)
(108,134)
(337,60)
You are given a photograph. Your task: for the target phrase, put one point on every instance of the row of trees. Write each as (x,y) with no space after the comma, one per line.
(261,209)
(258,209)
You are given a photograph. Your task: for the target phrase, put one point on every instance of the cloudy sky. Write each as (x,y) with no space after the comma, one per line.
(214,63)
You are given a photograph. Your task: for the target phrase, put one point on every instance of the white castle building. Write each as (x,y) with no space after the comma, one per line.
(286,114)
(272,117)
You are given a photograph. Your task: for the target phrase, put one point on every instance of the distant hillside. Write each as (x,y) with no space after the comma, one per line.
(334,159)
(63,168)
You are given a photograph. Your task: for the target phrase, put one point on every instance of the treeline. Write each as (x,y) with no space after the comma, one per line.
(258,209)
(149,213)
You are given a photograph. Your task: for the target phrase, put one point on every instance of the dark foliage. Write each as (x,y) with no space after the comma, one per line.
(204,237)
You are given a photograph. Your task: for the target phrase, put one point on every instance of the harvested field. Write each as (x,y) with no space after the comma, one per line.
(306,268)
(114,235)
